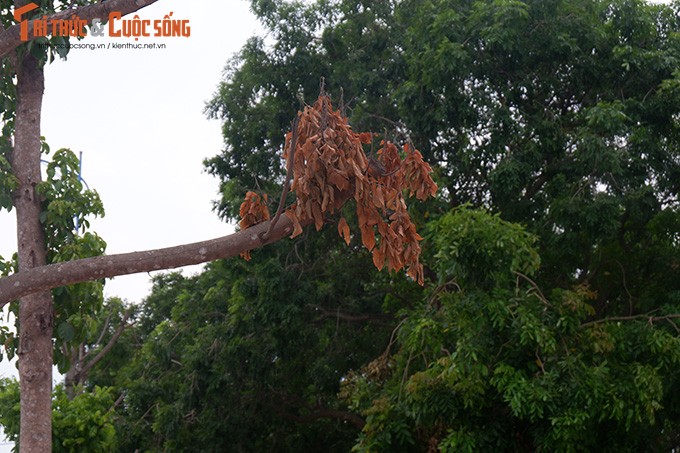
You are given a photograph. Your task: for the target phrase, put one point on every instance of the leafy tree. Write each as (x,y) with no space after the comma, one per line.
(249,355)
(534,109)
(488,362)
(561,116)
(80,424)
(246,354)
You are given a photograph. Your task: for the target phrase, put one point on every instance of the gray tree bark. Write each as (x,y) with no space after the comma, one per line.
(35,310)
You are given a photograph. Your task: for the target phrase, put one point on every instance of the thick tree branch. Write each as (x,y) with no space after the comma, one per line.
(62,274)
(11,39)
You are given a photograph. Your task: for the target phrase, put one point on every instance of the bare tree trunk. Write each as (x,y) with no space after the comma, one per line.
(35,310)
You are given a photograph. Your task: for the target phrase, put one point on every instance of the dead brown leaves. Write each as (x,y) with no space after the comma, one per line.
(253,210)
(330,166)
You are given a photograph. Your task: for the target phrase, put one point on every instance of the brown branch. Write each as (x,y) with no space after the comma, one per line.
(109,345)
(350,417)
(11,39)
(337,314)
(55,275)
(116,403)
(650,319)
(41,278)
(282,402)
(539,294)
(289,173)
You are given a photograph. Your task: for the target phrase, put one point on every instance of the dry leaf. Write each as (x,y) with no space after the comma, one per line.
(343,229)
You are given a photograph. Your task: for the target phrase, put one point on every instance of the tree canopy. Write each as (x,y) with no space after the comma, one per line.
(549,319)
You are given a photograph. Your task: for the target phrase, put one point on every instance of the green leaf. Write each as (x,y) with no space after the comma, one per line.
(65,331)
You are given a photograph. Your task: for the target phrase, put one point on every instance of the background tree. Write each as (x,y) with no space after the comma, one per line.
(81,423)
(490,362)
(561,116)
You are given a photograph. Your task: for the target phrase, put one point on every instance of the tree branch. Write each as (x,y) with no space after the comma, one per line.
(87,269)
(289,173)
(337,314)
(650,319)
(109,345)
(349,417)
(103,332)
(11,39)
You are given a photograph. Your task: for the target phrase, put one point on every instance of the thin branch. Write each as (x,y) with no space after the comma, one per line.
(102,333)
(625,287)
(392,339)
(314,412)
(325,314)
(116,403)
(650,319)
(349,417)
(289,173)
(675,326)
(538,293)
(109,345)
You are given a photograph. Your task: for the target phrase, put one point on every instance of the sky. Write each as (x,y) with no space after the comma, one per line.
(137,117)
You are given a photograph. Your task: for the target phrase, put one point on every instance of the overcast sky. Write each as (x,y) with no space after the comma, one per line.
(137,116)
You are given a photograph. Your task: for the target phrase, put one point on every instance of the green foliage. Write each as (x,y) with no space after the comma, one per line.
(7,182)
(493,365)
(83,424)
(478,249)
(9,408)
(561,116)
(67,207)
(249,355)
(67,203)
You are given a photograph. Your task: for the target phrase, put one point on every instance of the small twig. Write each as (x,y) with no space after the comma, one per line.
(289,173)
(105,328)
(650,319)
(675,326)
(342,102)
(540,362)
(116,403)
(538,292)
(625,287)
(155,406)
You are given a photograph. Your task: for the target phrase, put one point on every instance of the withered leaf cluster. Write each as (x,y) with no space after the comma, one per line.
(330,167)
(253,210)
